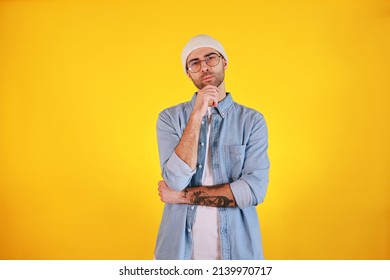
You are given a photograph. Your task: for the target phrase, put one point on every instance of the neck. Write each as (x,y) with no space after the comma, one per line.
(222,91)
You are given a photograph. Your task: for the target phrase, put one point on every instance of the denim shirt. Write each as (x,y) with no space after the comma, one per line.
(238,143)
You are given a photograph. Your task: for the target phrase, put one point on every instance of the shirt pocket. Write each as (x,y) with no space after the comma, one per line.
(234,161)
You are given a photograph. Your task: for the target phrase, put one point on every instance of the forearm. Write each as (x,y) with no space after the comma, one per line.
(214,196)
(187,149)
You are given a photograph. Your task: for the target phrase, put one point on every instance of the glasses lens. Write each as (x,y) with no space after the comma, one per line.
(212,60)
(194,66)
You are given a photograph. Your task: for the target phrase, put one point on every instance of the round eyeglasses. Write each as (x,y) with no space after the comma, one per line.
(211,60)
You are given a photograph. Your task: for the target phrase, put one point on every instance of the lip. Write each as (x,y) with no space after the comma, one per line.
(207,78)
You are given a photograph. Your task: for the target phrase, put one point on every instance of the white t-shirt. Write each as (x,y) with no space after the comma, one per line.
(207,245)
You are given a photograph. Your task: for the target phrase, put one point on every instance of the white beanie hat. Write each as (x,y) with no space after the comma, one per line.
(201,41)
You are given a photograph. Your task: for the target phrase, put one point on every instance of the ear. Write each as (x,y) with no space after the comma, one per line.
(189,75)
(225,65)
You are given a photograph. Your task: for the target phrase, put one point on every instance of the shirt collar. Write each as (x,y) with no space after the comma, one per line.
(223,106)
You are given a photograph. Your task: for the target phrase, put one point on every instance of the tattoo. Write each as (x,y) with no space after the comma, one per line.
(202,198)
(185,193)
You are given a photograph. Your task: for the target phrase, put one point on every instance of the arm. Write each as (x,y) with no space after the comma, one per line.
(178,154)
(247,190)
(187,149)
(250,188)
(215,196)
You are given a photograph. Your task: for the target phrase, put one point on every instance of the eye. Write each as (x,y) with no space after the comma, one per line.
(194,66)
(212,57)
(212,60)
(193,63)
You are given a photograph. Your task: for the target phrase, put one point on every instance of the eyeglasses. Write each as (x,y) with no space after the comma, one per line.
(211,60)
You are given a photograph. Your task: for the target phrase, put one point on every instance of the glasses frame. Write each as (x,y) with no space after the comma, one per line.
(206,61)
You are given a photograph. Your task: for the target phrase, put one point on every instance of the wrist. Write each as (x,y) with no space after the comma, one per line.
(196,116)
(185,198)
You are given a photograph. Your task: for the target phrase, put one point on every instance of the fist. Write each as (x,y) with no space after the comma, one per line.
(168,195)
(206,97)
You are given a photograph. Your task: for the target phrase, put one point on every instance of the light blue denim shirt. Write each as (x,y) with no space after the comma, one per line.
(238,143)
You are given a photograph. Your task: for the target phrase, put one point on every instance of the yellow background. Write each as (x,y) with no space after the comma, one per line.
(82,83)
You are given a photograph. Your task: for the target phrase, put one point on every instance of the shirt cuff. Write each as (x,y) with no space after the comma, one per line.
(242,193)
(180,172)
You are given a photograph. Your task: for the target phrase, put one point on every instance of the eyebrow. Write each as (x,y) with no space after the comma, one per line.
(206,55)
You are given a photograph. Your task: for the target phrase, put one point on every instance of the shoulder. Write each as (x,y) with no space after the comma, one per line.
(247,112)
(175,115)
(251,120)
(175,110)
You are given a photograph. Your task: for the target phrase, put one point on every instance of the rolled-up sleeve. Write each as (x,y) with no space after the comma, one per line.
(251,187)
(176,173)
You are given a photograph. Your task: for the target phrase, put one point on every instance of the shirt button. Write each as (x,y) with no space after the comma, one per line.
(202,122)
(192,207)
(202,144)
(189,230)
(200,166)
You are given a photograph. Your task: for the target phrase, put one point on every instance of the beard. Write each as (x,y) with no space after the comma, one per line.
(217,80)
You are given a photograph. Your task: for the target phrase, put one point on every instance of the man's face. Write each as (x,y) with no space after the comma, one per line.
(207,75)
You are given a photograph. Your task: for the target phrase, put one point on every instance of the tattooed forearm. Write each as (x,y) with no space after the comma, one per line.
(215,196)
(203,198)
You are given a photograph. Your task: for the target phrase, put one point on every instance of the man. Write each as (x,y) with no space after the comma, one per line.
(213,156)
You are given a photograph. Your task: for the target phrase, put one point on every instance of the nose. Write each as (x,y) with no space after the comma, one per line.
(204,67)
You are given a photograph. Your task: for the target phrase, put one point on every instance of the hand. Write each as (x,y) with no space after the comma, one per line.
(206,97)
(168,195)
